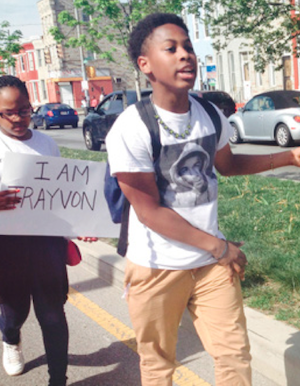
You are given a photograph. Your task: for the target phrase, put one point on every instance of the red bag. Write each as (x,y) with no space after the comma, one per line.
(73,254)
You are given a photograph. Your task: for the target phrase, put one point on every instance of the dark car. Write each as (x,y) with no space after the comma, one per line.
(219,98)
(54,114)
(99,120)
(269,116)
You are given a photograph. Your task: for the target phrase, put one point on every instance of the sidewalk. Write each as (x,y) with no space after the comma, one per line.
(275,346)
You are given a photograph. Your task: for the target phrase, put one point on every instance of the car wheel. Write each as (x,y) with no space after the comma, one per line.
(75,125)
(32,125)
(61,126)
(45,126)
(90,143)
(283,135)
(236,138)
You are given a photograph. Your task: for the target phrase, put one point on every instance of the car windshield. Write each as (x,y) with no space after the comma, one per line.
(58,106)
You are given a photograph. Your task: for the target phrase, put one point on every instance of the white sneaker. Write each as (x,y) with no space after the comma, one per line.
(13,360)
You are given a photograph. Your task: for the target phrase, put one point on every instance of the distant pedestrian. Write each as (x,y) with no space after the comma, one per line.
(31,267)
(102,95)
(83,102)
(94,102)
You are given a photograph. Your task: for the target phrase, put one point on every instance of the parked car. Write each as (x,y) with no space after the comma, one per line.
(98,121)
(273,115)
(54,114)
(220,98)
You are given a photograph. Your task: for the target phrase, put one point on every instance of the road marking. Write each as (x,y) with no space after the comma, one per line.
(182,375)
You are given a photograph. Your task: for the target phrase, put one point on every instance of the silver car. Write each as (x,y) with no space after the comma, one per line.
(273,115)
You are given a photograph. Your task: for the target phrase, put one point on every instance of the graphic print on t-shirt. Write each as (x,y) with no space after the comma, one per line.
(185,172)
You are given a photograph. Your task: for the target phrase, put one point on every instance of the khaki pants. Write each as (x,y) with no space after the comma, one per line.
(157,299)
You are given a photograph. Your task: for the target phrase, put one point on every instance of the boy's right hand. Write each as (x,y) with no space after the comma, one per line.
(9,199)
(234,260)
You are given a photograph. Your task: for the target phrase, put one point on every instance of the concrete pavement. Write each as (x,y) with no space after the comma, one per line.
(275,346)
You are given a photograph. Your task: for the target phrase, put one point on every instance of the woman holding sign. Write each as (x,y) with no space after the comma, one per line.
(30,266)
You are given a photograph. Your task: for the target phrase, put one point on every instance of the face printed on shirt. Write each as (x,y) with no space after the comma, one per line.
(190,180)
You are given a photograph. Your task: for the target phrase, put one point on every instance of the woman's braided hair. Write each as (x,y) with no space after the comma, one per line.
(145,27)
(13,81)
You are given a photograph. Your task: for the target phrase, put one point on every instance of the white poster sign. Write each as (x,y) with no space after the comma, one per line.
(60,197)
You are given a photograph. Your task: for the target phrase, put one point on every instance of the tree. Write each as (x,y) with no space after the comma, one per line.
(9,45)
(112,21)
(270,27)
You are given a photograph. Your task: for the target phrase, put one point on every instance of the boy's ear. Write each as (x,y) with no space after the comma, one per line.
(144,64)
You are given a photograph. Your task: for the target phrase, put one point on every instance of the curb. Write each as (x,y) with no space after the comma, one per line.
(275,346)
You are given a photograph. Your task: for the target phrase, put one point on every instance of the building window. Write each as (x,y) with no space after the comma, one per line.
(35,92)
(245,66)
(43,88)
(196,28)
(85,17)
(22,63)
(272,78)
(206,30)
(231,66)
(258,79)
(30,61)
(13,71)
(39,58)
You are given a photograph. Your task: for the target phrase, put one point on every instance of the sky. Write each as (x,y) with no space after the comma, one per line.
(22,15)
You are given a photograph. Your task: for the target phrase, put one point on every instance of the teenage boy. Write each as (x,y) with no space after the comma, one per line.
(177,257)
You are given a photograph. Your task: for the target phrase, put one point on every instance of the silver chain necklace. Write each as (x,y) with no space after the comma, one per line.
(186,132)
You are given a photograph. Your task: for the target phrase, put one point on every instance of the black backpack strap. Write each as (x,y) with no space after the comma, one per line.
(147,114)
(213,114)
(123,237)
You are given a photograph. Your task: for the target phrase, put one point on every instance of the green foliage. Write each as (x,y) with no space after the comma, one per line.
(268,26)
(111,20)
(9,45)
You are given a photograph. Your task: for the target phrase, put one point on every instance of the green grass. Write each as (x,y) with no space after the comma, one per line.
(265,214)
(83,154)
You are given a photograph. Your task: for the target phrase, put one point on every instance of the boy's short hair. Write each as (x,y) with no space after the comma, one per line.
(144,29)
(13,81)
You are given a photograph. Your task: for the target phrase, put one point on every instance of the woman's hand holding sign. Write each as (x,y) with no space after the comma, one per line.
(9,199)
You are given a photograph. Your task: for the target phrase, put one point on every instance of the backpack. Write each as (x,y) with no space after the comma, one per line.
(117,203)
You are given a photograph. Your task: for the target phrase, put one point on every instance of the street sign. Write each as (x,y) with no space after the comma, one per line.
(84,85)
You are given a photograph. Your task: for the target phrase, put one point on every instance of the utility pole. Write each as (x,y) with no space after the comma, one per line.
(84,77)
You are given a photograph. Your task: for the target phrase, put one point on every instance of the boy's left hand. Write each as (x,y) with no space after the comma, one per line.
(234,260)
(296,156)
(88,239)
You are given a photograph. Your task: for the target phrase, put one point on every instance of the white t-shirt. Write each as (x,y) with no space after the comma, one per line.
(39,143)
(185,176)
